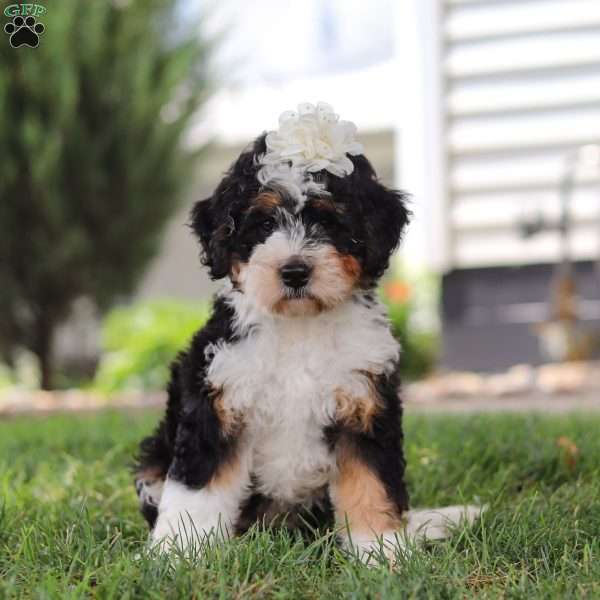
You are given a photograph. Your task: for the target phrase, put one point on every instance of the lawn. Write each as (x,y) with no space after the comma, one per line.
(69,526)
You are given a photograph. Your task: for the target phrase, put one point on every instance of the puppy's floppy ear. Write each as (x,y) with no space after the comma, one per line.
(382,214)
(214,219)
(202,224)
(385,217)
(213,231)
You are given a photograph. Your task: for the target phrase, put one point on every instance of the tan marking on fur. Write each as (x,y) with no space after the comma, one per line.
(259,278)
(231,425)
(227,473)
(268,200)
(304,307)
(361,500)
(151,474)
(324,204)
(236,269)
(357,412)
(334,277)
(351,266)
(229,419)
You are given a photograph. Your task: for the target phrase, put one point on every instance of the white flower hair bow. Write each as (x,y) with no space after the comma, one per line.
(311,139)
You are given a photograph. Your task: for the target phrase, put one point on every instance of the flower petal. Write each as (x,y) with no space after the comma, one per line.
(305,108)
(317,165)
(308,140)
(288,115)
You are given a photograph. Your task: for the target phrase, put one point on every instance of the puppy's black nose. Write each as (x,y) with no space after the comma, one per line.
(295,273)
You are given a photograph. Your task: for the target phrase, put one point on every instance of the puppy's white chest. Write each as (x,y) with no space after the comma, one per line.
(282,379)
(290,404)
(290,458)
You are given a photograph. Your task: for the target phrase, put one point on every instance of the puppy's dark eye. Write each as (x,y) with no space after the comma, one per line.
(267,225)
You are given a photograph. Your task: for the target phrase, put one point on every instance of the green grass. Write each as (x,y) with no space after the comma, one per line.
(69,526)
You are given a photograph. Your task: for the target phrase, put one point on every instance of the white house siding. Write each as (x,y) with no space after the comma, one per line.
(522,88)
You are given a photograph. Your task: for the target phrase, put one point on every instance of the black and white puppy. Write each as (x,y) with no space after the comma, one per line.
(286,403)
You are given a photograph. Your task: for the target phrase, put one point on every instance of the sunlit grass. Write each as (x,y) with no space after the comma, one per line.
(69,526)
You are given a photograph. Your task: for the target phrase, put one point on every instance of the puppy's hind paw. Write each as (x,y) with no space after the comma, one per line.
(437,523)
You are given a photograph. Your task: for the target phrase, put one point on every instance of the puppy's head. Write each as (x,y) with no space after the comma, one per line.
(295,241)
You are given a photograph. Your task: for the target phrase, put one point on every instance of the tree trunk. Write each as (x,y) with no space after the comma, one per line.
(46,374)
(43,350)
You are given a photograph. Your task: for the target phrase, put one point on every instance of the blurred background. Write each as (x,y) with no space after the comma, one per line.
(486,111)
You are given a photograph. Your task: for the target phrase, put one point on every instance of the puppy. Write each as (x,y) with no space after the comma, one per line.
(286,404)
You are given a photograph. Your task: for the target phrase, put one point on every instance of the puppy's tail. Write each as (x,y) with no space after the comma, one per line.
(438,523)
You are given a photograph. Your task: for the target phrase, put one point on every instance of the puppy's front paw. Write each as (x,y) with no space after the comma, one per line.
(182,534)
(167,534)
(372,550)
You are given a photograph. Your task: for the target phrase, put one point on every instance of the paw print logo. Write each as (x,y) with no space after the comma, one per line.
(24,32)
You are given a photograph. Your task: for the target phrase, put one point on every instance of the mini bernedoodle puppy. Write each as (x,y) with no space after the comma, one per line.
(286,404)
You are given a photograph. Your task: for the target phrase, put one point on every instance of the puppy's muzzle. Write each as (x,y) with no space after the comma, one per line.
(295,273)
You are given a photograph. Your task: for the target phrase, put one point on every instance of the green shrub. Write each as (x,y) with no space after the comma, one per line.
(412,309)
(140,341)
(6,378)
(419,348)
